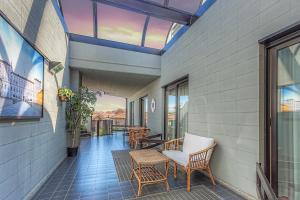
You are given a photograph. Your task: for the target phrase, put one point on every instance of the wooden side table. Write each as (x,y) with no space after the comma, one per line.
(143,164)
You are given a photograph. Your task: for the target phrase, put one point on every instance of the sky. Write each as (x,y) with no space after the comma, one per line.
(115,24)
(109,103)
(290,92)
(14,49)
(120,25)
(157,32)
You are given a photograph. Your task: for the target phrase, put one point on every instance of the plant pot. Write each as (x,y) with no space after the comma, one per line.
(63,98)
(72,151)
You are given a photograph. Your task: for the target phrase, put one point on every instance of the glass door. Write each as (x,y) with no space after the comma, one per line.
(176,109)
(183,99)
(144,111)
(171,105)
(284,98)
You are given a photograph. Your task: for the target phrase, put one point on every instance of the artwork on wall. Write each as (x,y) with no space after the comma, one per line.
(21,76)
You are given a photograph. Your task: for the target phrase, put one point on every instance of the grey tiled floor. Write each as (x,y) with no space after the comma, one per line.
(92,175)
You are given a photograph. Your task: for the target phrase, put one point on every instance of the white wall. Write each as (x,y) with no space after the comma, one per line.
(93,57)
(30,150)
(153,91)
(220,52)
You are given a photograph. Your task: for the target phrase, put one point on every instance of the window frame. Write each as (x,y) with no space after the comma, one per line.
(172,85)
(268,97)
(131,113)
(142,110)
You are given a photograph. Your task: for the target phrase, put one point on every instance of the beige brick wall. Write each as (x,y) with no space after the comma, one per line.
(30,150)
(220,52)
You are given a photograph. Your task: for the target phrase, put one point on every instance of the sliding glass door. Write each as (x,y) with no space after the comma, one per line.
(183,99)
(176,109)
(171,103)
(284,111)
(144,111)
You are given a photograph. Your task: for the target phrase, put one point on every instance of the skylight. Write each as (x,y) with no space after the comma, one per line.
(144,23)
(120,25)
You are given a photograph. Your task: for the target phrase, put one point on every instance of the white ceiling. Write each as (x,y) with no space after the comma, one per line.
(115,83)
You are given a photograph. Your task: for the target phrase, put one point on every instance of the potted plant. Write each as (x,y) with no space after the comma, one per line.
(79,107)
(64,94)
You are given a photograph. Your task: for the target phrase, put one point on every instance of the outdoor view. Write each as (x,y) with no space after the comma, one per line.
(109,115)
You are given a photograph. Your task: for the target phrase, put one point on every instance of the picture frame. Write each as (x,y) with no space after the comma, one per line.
(21,75)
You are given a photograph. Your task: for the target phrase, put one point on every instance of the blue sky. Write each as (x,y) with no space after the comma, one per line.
(290,92)
(24,59)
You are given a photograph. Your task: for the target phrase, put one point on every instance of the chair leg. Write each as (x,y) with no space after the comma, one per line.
(175,170)
(188,179)
(211,176)
(139,189)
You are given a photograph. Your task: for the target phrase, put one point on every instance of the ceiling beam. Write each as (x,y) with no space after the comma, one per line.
(145,30)
(152,9)
(95,19)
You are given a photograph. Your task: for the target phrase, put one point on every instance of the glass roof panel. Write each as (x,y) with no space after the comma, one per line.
(157,33)
(190,6)
(120,25)
(79,16)
(174,29)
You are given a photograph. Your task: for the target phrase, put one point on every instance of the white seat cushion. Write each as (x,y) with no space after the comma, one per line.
(195,143)
(177,156)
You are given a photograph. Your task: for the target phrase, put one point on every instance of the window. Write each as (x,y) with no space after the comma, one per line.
(176,109)
(282,103)
(144,111)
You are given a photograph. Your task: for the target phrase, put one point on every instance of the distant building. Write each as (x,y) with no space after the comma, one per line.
(15,86)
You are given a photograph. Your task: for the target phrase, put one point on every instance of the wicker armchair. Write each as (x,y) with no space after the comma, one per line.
(195,155)
(136,134)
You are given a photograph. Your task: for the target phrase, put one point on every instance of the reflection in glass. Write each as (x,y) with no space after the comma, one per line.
(288,124)
(171,114)
(183,94)
(145,111)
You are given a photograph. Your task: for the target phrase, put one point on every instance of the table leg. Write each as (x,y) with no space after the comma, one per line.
(132,168)
(140,180)
(167,172)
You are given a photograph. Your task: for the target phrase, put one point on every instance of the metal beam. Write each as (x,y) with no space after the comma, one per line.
(95,19)
(145,30)
(58,8)
(151,9)
(112,44)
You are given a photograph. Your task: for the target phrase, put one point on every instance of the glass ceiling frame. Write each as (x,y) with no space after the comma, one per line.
(150,9)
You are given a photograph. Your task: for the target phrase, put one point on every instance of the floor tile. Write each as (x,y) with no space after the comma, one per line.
(92,176)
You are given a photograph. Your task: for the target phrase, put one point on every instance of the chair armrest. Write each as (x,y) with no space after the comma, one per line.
(199,158)
(173,144)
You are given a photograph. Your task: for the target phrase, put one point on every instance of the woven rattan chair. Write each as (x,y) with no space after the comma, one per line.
(135,134)
(140,134)
(131,133)
(195,155)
